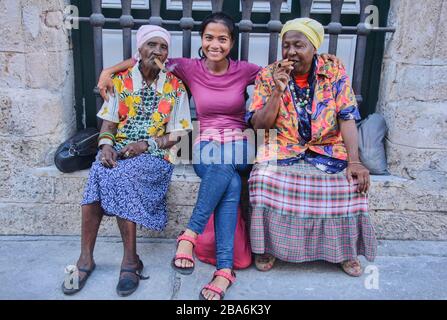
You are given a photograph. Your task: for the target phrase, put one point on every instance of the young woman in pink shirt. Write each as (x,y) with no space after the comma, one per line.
(218,85)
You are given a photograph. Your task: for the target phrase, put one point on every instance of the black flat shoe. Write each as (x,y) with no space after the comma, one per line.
(81,284)
(126,286)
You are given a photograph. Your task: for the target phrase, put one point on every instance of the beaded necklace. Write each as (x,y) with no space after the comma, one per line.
(302,101)
(301,97)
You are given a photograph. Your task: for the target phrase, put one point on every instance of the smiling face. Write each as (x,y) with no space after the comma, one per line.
(155,47)
(296,47)
(216,41)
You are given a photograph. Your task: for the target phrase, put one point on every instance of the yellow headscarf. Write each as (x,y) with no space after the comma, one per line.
(311,28)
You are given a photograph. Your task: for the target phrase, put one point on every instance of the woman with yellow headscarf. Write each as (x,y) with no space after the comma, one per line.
(308,188)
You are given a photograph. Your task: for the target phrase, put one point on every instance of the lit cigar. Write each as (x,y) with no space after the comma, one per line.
(160,65)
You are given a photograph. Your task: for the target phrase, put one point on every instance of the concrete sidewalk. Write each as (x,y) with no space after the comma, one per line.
(33,268)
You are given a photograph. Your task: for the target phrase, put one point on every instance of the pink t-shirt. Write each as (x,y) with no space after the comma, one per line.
(219,99)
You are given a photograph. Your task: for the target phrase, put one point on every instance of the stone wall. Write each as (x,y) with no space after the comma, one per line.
(53,207)
(413,99)
(36,92)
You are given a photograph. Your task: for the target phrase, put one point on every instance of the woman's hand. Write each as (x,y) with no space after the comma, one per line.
(281,74)
(105,84)
(330,57)
(133,149)
(108,156)
(357,170)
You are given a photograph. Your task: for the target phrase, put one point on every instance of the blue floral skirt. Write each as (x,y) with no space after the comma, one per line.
(134,190)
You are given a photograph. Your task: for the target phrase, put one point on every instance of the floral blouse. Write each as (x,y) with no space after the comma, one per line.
(333,99)
(143,111)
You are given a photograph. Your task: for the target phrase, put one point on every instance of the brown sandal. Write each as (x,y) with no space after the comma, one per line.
(264,262)
(352,267)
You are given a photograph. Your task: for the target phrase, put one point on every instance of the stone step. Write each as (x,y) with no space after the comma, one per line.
(47,203)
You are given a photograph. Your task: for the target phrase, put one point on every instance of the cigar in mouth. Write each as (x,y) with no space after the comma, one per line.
(160,65)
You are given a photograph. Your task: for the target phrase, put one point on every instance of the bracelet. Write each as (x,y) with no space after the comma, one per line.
(152,145)
(354,162)
(104,141)
(107,135)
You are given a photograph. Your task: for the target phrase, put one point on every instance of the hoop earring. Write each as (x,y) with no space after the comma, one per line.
(201,55)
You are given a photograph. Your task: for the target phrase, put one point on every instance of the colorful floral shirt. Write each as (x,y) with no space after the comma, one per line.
(143,111)
(333,99)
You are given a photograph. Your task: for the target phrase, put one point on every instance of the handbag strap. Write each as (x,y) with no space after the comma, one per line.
(75,148)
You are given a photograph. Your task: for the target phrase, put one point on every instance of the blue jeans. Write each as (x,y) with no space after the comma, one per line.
(220,190)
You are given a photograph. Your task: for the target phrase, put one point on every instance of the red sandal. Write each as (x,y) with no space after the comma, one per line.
(185,270)
(230,277)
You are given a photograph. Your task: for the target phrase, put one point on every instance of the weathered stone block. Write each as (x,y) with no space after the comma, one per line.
(393,194)
(407,161)
(54,19)
(419,124)
(28,151)
(426,83)
(13,73)
(65,219)
(387,82)
(402,82)
(48,70)
(5,111)
(439,56)
(183,192)
(11,26)
(69,190)
(28,188)
(39,219)
(53,5)
(31,19)
(5,175)
(38,35)
(410,225)
(34,113)
(417,22)
(60,190)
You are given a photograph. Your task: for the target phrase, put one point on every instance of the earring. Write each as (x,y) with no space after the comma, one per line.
(201,55)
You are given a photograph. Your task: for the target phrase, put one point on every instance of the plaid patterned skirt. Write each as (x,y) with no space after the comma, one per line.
(299,213)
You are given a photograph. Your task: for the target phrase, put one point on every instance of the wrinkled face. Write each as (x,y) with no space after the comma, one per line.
(216,41)
(155,47)
(296,47)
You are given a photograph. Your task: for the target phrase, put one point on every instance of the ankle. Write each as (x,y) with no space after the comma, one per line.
(85,258)
(190,233)
(130,261)
(226,270)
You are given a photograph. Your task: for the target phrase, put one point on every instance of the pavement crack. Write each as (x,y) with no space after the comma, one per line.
(176,284)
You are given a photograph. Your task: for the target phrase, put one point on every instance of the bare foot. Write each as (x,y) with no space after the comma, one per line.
(264,262)
(352,267)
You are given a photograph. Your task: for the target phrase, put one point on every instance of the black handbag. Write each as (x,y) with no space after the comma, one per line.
(78,152)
